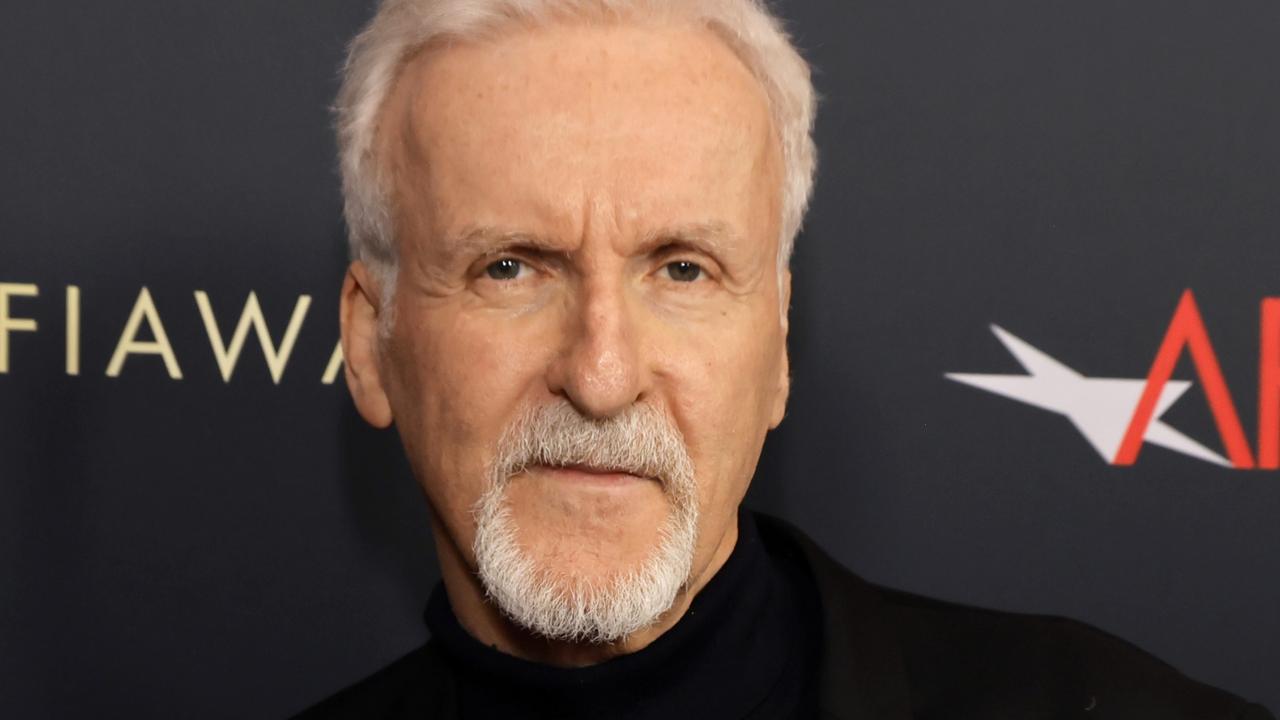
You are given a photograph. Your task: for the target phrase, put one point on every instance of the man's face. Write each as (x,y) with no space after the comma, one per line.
(585,214)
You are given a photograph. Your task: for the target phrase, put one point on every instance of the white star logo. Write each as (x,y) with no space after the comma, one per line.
(1100,408)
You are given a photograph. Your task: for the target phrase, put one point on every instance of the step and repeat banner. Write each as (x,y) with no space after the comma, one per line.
(1035,342)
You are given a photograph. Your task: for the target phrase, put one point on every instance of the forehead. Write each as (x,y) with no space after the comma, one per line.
(645,118)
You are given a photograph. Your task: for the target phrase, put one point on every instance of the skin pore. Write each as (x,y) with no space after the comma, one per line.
(586,212)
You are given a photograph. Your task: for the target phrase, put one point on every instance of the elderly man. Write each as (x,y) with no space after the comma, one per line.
(571,224)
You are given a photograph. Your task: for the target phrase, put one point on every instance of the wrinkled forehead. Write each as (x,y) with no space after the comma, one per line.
(643,112)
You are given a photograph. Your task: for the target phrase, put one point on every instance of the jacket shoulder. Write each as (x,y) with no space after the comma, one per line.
(970,661)
(417,685)
(924,657)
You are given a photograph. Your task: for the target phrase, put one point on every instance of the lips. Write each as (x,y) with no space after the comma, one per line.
(589,474)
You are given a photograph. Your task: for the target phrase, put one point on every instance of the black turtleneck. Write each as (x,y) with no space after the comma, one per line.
(746,648)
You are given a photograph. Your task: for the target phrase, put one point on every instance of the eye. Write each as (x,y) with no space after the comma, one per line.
(504,269)
(684,271)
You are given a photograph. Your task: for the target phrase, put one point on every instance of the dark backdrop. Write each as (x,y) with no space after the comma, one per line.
(200,548)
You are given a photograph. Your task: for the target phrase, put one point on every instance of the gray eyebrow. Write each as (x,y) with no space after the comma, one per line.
(486,239)
(714,237)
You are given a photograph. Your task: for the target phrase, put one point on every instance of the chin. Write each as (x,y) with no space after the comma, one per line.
(582,566)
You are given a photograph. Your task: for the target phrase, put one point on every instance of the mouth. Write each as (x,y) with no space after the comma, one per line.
(589,475)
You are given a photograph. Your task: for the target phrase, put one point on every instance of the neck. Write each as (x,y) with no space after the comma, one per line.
(486,623)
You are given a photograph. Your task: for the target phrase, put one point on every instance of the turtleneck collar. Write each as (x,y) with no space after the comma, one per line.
(741,647)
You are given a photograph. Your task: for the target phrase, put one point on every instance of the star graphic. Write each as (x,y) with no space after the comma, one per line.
(1100,408)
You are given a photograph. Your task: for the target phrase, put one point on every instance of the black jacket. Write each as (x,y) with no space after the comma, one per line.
(890,655)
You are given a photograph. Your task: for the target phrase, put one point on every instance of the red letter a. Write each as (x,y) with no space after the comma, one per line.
(1269,387)
(1187,329)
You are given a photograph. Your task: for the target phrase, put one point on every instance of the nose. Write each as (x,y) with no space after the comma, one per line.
(599,368)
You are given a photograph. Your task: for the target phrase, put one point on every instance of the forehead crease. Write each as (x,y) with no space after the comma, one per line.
(527,127)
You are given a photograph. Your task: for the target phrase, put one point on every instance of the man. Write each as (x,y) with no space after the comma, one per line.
(571,223)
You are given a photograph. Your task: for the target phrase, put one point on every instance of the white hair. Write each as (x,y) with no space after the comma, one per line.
(559,605)
(401,27)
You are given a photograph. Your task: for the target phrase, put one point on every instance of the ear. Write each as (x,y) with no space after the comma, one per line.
(784,368)
(358,318)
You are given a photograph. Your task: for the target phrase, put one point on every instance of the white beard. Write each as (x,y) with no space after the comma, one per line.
(546,600)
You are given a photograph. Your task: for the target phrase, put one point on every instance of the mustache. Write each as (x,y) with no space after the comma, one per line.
(597,608)
(641,441)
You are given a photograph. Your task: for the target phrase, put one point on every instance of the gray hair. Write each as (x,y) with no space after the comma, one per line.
(543,599)
(401,27)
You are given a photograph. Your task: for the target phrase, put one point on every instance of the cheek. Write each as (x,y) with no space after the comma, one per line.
(463,382)
(719,387)
(472,377)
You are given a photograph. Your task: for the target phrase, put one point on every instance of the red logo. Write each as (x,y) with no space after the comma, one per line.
(1118,415)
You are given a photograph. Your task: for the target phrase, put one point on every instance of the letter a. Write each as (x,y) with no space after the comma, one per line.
(128,344)
(1187,330)
(335,364)
(1269,387)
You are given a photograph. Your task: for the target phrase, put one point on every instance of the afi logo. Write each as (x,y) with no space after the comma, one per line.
(1116,415)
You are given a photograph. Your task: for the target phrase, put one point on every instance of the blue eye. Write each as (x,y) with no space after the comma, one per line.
(504,269)
(684,271)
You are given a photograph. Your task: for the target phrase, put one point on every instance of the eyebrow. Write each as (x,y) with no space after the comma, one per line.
(715,238)
(480,240)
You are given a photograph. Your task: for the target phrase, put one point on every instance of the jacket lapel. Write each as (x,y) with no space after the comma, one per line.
(862,673)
